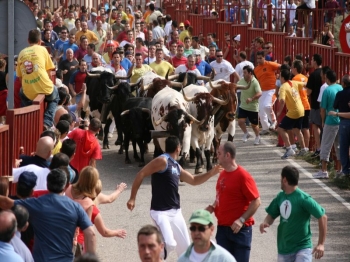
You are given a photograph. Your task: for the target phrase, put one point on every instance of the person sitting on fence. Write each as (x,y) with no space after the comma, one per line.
(34,66)
(327,36)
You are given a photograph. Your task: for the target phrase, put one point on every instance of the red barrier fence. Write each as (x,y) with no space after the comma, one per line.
(197,23)
(297,45)
(25,127)
(327,53)
(342,64)
(5,160)
(222,29)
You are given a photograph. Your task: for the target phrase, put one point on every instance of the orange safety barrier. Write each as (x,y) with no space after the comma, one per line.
(31,120)
(327,53)
(196,23)
(342,64)
(278,40)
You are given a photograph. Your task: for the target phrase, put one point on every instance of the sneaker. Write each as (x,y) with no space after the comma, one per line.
(257,141)
(302,152)
(320,174)
(245,137)
(264,132)
(273,125)
(340,175)
(316,153)
(288,153)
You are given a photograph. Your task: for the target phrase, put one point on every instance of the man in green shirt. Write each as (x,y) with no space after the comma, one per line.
(294,207)
(249,107)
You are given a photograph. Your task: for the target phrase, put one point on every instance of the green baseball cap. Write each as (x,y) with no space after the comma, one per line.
(202,217)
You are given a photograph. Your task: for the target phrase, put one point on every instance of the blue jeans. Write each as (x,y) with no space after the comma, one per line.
(344,142)
(51,100)
(303,255)
(238,245)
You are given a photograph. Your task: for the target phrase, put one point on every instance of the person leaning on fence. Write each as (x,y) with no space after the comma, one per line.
(34,66)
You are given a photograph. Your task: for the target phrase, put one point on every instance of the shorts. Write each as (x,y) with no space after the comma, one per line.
(315,117)
(288,123)
(252,116)
(306,122)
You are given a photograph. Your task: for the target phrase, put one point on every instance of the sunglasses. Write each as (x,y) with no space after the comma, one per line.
(200,228)
(219,56)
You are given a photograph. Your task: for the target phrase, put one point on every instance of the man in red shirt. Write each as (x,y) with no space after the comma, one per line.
(237,199)
(88,149)
(179,58)
(77,80)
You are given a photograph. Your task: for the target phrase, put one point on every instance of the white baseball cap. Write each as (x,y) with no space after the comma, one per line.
(237,38)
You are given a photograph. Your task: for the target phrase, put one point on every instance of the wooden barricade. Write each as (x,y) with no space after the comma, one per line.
(254,33)
(277,39)
(209,26)
(196,23)
(327,53)
(342,64)
(221,29)
(170,10)
(181,15)
(5,160)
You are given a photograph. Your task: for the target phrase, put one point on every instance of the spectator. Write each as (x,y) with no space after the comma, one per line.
(202,228)
(268,51)
(8,227)
(68,148)
(3,88)
(153,15)
(210,41)
(327,36)
(333,5)
(77,27)
(92,22)
(62,127)
(22,216)
(157,31)
(41,155)
(46,214)
(223,68)
(25,185)
(295,208)
(236,203)
(150,244)
(167,27)
(88,148)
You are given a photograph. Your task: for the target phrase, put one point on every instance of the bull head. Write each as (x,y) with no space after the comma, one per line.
(191,117)
(242,87)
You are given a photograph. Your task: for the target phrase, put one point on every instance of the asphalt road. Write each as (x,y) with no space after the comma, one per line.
(265,165)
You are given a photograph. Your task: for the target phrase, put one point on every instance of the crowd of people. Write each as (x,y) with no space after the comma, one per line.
(59,183)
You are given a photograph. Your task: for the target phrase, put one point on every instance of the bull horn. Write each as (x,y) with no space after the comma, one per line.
(92,75)
(184,83)
(146,87)
(135,84)
(173,77)
(175,84)
(215,110)
(188,99)
(159,121)
(205,78)
(146,110)
(213,73)
(242,87)
(220,102)
(193,118)
(214,86)
(125,112)
(113,87)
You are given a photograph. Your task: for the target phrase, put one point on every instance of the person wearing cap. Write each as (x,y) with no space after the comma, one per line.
(165,203)
(236,46)
(203,248)
(26,182)
(108,46)
(197,46)
(203,67)
(237,200)
(185,33)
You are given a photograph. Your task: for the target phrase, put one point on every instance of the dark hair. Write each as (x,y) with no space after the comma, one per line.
(62,93)
(49,133)
(92,46)
(56,180)
(82,61)
(171,143)
(58,160)
(325,69)
(68,117)
(318,59)
(285,67)
(291,174)
(288,59)
(260,53)
(59,74)
(249,69)
(34,36)
(7,233)
(23,191)
(243,55)
(168,18)
(212,46)
(155,22)
(346,80)
(298,65)
(63,126)
(285,74)
(299,57)
(149,230)
(151,6)
(95,124)
(159,50)
(230,148)
(174,23)
(21,214)
(68,147)
(331,76)
(87,258)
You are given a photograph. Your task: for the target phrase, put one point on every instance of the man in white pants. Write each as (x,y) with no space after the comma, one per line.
(265,72)
(165,203)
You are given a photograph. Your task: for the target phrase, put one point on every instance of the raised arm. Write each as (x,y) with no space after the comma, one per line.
(199,179)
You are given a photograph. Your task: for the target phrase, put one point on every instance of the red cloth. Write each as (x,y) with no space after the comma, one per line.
(80,53)
(234,192)
(95,212)
(39,193)
(17,88)
(122,36)
(87,148)
(176,61)
(3,105)
(79,80)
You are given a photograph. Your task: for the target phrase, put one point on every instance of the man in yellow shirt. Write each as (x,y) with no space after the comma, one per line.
(124,15)
(33,70)
(91,37)
(161,67)
(185,32)
(139,69)
(289,96)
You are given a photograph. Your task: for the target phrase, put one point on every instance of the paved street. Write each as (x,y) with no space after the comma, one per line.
(262,161)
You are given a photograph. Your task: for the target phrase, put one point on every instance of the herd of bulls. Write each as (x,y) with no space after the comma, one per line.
(156,107)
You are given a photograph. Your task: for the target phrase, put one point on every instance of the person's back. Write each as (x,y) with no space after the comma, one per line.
(289,92)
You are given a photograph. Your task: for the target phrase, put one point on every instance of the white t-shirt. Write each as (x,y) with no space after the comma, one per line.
(265,9)
(291,8)
(323,87)
(120,72)
(197,257)
(239,67)
(151,60)
(183,69)
(124,42)
(40,172)
(223,70)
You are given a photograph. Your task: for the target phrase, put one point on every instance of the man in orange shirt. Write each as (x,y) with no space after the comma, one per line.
(265,72)
(297,68)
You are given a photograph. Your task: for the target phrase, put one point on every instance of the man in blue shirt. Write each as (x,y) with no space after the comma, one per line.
(70,44)
(8,227)
(203,67)
(330,124)
(55,218)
